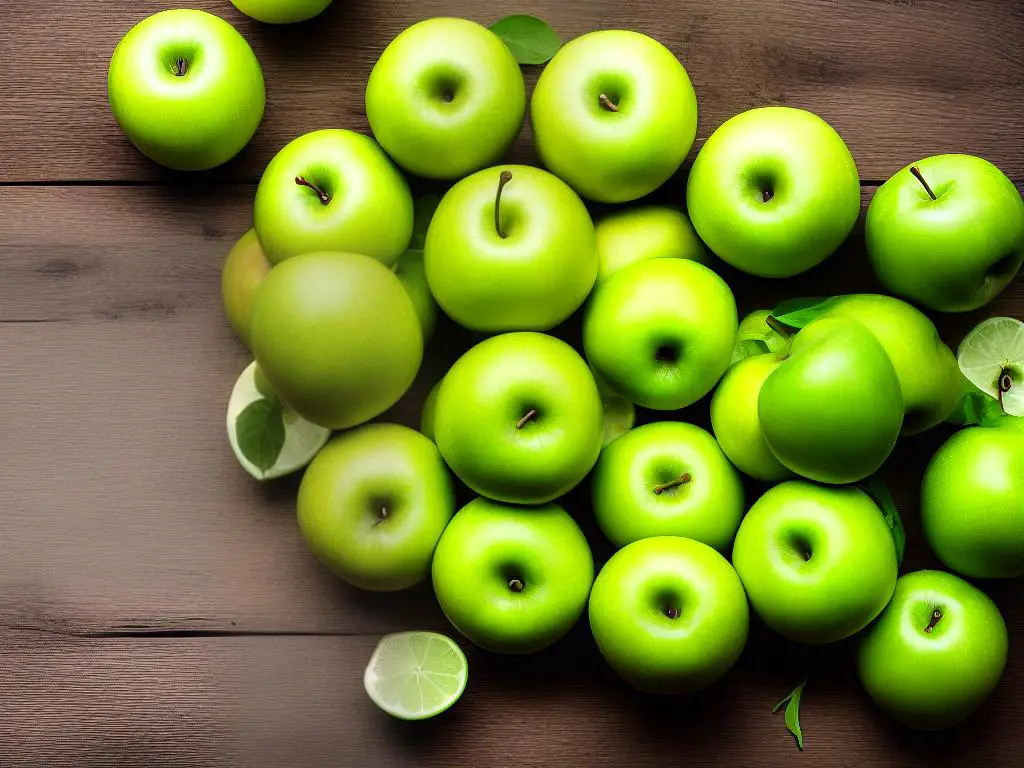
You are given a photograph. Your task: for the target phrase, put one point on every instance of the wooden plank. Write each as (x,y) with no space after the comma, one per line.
(899,79)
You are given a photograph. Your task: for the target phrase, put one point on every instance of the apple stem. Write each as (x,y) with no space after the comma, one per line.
(607,103)
(785,331)
(530,416)
(180,67)
(681,480)
(503,179)
(917,174)
(516,585)
(936,617)
(1005,385)
(302,181)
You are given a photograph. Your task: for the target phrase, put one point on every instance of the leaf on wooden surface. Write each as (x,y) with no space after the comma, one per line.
(792,702)
(531,40)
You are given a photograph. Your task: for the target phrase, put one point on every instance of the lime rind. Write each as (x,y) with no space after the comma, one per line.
(303,439)
(416,675)
(992,348)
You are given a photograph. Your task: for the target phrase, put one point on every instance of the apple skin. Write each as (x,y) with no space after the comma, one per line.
(494,386)
(245,269)
(708,508)
(614,156)
(933,680)
(661,331)
(318,337)
(833,409)
(281,11)
(486,546)
(446,98)
(428,412)
(645,232)
(972,503)
(848,576)
(200,119)
(736,424)
(952,254)
(531,279)
(630,621)
(344,495)
(413,275)
(803,167)
(930,378)
(370,209)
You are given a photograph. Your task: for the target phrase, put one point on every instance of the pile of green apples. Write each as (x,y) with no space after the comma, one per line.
(336,291)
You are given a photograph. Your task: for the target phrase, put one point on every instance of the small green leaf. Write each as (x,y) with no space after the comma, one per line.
(531,40)
(260,431)
(879,493)
(792,702)
(968,410)
(423,211)
(749,348)
(799,313)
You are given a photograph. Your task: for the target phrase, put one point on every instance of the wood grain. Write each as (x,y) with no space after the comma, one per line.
(899,79)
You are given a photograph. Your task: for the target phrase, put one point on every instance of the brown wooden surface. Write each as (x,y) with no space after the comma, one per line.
(157,608)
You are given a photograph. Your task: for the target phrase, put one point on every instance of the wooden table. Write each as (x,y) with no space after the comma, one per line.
(158,608)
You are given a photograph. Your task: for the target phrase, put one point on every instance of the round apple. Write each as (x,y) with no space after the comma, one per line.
(281,11)
(337,337)
(333,190)
(661,331)
(186,89)
(446,98)
(614,115)
(645,232)
(935,653)
(669,614)
(946,232)
(818,563)
(512,580)
(373,505)
(518,418)
(245,269)
(667,479)
(774,191)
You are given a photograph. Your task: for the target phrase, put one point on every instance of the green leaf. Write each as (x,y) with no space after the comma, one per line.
(879,493)
(749,348)
(531,40)
(260,431)
(968,410)
(792,702)
(799,313)
(423,211)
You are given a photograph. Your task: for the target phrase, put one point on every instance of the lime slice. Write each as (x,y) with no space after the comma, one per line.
(992,358)
(416,675)
(269,439)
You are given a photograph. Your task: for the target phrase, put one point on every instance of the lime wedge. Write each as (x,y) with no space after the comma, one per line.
(416,675)
(992,358)
(269,439)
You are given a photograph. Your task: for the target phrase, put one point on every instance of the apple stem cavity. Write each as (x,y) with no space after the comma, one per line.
(607,103)
(503,179)
(681,480)
(936,618)
(1004,385)
(180,67)
(917,175)
(302,181)
(530,416)
(516,585)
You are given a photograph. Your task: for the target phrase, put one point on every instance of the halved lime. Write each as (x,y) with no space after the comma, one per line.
(992,358)
(269,439)
(416,675)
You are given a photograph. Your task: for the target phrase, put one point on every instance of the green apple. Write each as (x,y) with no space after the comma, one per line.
(510,248)
(510,579)
(972,503)
(186,89)
(281,11)
(429,410)
(619,413)
(669,614)
(946,232)
(337,337)
(736,424)
(774,191)
(412,273)
(667,479)
(518,418)
(614,115)
(446,98)
(333,190)
(645,232)
(661,331)
(936,652)
(928,372)
(373,505)
(832,410)
(818,563)
(755,328)
(245,269)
